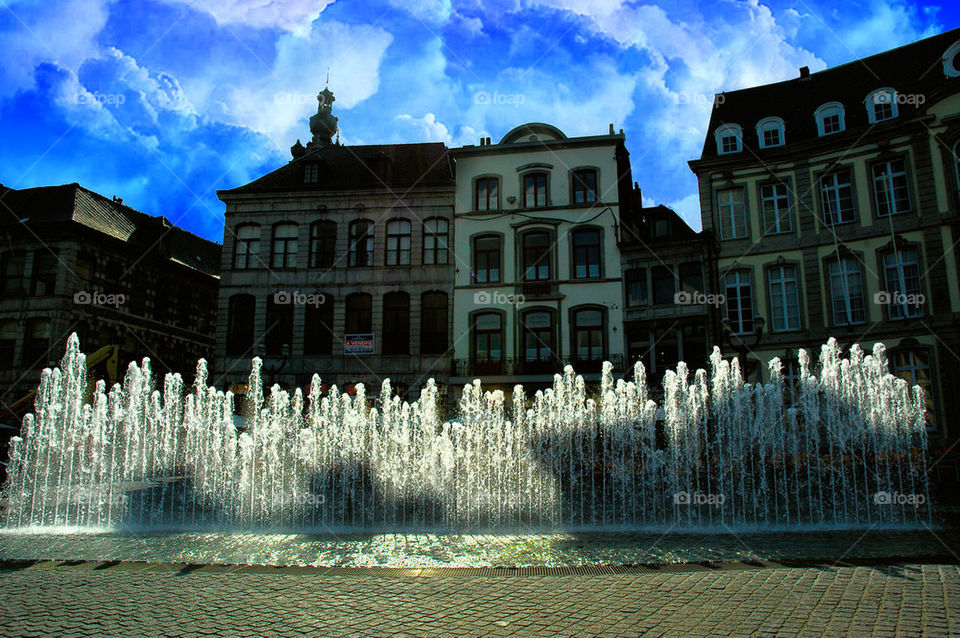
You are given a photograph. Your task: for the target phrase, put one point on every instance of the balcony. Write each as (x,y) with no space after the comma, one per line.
(538,289)
(516,367)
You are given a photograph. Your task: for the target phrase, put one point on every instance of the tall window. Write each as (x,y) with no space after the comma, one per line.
(240,326)
(361,243)
(488,337)
(535,190)
(733,213)
(36,350)
(359,313)
(784,298)
(588,335)
(846,292)
(398,242)
(691,276)
(664,284)
(584,186)
(436,234)
(636,284)
(586,253)
(913,366)
(536,256)
(829,118)
(775,208)
(739,297)
(538,336)
(487,195)
(836,198)
(285,246)
(246,249)
(486,259)
(901,279)
(433,323)
(8,342)
(890,187)
(43,281)
(396,323)
(278,339)
(318,328)
(323,244)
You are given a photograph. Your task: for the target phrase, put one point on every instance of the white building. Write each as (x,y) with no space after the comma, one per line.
(537,274)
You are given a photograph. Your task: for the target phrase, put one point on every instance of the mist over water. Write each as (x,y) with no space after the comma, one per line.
(717,454)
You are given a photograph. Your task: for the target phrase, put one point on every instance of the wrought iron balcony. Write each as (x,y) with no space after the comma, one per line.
(538,289)
(521,366)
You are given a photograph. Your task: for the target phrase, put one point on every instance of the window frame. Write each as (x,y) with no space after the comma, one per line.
(399,244)
(886,179)
(730,207)
(475,334)
(286,254)
(546,189)
(475,258)
(771,282)
(575,331)
(551,329)
(742,325)
(850,184)
(771,124)
(355,236)
(725,131)
(874,100)
(435,244)
(323,314)
(429,334)
(575,252)
(578,185)
(841,261)
(826,110)
(904,314)
(395,324)
(239,241)
(546,257)
(764,199)
(322,245)
(486,180)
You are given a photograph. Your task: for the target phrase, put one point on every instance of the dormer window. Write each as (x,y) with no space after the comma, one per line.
(830,119)
(951,61)
(770,132)
(729,139)
(881,105)
(311,173)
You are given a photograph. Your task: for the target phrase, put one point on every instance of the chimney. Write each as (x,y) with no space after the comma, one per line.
(804,73)
(611,128)
(488,141)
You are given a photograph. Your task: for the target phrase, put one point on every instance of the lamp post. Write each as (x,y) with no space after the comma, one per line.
(743,343)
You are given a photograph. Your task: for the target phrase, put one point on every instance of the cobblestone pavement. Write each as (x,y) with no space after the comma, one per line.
(120,599)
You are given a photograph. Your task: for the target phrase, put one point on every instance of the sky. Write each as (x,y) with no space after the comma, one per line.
(163,102)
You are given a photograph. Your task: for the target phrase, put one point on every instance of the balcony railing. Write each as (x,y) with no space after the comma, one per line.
(521,366)
(538,289)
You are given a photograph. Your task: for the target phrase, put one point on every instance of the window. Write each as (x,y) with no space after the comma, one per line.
(323,244)
(311,173)
(361,243)
(729,139)
(535,190)
(538,336)
(278,338)
(770,132)
(733,213)
(396,323)
(486,260)
(584,186)
(830,119)
(240,318)
(43,281)
(36,347)
(433,323)
(246,249)
(784,298)
(488,337)
(636,283)
(791,380)
(398,242)
(836,198)
(487,196)
(588,336)
(890,189)
(359,313)
(586,253)
(8,343)
(846,292)
(12,284)
(691,277)
(536,256)
(901,280)
(913,366)
(739,297)
(435,240)
(318,328)
(881,105)
(775,208)
(663,283)
(285,246)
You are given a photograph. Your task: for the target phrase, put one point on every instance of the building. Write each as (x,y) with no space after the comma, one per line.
(337,263)
(834,201)
(538,277)
(73,260)
(667,303)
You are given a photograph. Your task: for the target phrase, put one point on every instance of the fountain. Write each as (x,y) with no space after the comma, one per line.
(718,453)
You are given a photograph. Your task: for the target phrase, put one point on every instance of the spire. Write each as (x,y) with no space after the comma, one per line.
(323,125)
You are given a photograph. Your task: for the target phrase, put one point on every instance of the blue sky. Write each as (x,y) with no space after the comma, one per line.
(163,102)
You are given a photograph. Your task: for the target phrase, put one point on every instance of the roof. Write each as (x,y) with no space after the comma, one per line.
(72,203)
(912,70)
(373,167)
(642,226)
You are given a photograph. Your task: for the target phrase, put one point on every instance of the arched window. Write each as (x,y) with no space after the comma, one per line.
(278,339)
(536,256)
(830,118)
(770,132)
(361,242)
(359,318)
(588,339)
(436,233)
(487,338)
(881,105)
(398,242)
(285,245)
(323,244)
(396,323)
(433,323)
(729,138)
(535,190)
(246,247)
(318,327)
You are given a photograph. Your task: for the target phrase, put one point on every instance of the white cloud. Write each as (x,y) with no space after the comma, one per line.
(284,14)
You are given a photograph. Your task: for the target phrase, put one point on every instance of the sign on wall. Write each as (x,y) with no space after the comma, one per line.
(358,344)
